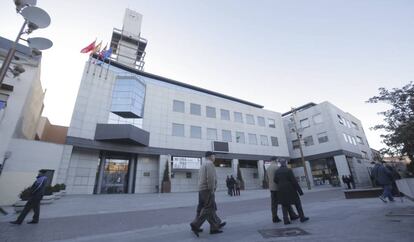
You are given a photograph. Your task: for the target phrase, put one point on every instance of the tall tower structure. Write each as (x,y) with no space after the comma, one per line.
(127,44)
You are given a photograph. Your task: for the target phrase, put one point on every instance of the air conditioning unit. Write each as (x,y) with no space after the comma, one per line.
(220,147)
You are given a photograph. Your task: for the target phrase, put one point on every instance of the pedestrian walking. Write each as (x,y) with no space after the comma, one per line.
(383,177)
(36,195)
(233,185)
(274,193)
(395,176)
(237,187)
(346,181)
(228,185)
(288,190)
(207,187)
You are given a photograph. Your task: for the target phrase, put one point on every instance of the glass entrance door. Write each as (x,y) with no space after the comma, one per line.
(115,176)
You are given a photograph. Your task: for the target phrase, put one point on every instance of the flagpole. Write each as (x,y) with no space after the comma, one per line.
(107,69)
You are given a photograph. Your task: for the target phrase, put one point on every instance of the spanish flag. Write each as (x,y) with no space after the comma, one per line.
(88,48)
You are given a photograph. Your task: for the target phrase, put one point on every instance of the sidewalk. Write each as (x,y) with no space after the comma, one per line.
(75,205)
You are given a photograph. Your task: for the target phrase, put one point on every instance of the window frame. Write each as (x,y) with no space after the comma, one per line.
(175,107)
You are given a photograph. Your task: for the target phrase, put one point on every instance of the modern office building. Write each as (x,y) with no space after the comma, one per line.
(333,141)
(127,124)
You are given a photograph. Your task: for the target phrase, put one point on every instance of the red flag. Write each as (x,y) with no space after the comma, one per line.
(88,48)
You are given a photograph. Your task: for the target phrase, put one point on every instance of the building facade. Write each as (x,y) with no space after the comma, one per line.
(333,141)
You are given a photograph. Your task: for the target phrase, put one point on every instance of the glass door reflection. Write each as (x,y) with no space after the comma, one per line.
(115,176)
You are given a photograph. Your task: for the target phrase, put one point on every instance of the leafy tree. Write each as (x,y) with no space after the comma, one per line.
(398,120)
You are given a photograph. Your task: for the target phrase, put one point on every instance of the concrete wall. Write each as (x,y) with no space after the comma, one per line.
(27,158)
(248,177)
(180,182)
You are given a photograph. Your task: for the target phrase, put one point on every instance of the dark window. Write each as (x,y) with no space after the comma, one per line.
(308,140)
(295,144)
(188,175)
(274,140)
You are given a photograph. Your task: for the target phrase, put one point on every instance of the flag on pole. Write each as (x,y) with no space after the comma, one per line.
(88,48)
(100,55)
(97,48)
(106,54)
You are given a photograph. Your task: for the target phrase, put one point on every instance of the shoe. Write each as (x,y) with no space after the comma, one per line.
(294,217)
(222,225)
(195,230)
(276,220)
(304,219)
(216,231)
(392,200)
(15,222)
(287,222)
(382,199)
(33,222)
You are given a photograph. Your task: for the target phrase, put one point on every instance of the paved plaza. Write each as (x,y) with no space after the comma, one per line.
(165,217)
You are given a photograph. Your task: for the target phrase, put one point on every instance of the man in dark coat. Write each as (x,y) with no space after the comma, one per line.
(228,186)
(383,177)
(233,185)
(288,191)
(37,192)
(274,192)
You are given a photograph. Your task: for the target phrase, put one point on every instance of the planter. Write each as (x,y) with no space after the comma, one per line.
(406,186)
(47,199)
(166,187)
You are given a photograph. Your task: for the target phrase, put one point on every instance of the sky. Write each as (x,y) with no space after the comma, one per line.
(279,54)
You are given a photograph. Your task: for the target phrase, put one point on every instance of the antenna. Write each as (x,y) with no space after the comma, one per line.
(37,17)
(39,43)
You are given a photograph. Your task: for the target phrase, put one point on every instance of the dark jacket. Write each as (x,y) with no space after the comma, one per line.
(38,188)
(288,186)
(382,175)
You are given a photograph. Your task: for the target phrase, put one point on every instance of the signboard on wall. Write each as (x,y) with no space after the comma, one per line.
(186,163)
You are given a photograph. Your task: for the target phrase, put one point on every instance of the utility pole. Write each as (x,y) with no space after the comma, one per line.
(299,138)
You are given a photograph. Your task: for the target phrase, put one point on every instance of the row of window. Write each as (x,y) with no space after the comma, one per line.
(352,140)
(347,123)
(308,140)
(226,135)
(195,109)
(306,123)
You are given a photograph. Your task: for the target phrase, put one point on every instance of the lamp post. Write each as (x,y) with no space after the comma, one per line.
(34,18)
(299,138)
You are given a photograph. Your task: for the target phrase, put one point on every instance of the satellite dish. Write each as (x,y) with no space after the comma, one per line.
(36,16)
(39,43)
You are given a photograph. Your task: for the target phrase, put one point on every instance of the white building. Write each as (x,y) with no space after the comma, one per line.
(333,141)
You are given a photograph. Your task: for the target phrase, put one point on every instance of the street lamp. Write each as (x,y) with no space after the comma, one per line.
(34,18)
(299,138)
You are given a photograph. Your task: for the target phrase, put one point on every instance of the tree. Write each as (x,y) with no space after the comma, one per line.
(398,120)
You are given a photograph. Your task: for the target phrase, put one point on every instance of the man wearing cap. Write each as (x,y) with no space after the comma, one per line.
(37,192)
(274,192)
(288,191)
(207,185)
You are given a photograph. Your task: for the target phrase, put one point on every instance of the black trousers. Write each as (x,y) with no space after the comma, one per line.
(31,204)
(286,207)
(274,204)
(206,210)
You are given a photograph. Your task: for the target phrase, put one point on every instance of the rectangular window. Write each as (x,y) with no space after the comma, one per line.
(252,139)
(345,137)
(178,130)
(238,117)
(264,140)
(353,140)
(354,125)
(195,132)
(178,106)
(210,112)
(261,121)
(364,154)
(274,140)
(188,175)
(211,134)
(226,135)
(360,140)
(323,137)
(308,140)
(348,124)
(195,109)
(272,123)
(249,119)
(295,144)
(341,120)
(240,138)
(304,123)
(317,119)
(225,114)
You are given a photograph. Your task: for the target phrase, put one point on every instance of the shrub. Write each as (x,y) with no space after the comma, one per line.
(56,188)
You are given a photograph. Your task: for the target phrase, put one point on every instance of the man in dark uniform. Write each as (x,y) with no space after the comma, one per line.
(37,192)
(288,191)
